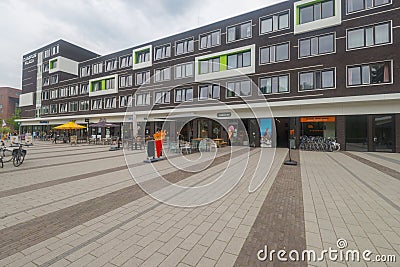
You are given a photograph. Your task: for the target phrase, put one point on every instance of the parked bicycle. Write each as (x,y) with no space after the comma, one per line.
(17,155)
(312,143)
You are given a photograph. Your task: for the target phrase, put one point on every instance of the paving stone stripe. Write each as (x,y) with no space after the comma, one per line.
(391,203)
(55,164)
(67,155)
(121,224)
(50,149)
(21,236)
(395,174)
(280,221)
(395,161)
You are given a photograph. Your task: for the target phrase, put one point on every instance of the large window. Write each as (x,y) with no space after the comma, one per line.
(110,102)
(53,94)
(53,108)
(321,79)
(85,71)
(125,81)
(373,73)
(317,45)
(239,60)
(73,90)
(54,79)
(210,91)
(96,86)
(162,74)
(211,39)
(84,105)
(163,97)
(45,95)
(110,83)
(274,23)
(275,84)
(45,109)
(125,101)
(238,88)
(142,56)
(73,106)
(46,81)
(111,64)
(184,46)
(358,5)
(274,53)
(209,65)
(63,107)
(183,95)
(184,70)
(97,68)
(84,88)
(162,52)
(125,61)
(142,99)
(238,32)
(143,77)
(63,92)
(316,11)
(97,104)
(369,36)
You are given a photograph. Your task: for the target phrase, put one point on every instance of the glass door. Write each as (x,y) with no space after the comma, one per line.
(383,133)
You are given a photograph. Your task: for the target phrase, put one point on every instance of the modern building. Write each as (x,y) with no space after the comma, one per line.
(326,67)
(9,102)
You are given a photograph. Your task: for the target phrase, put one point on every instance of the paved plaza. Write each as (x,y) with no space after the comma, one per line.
(79,206)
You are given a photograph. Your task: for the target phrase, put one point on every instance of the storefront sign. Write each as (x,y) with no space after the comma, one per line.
(44,122)
(318,119)
(224,114)
(29,59)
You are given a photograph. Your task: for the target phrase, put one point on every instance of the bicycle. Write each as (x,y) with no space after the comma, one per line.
(17,155)
(5,154)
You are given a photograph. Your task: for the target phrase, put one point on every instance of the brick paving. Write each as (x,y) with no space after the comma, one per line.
(280,222)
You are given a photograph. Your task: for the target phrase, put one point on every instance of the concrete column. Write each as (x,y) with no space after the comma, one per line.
(341,131)
(397,132)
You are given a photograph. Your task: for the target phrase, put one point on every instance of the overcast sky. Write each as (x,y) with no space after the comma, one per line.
(102,26)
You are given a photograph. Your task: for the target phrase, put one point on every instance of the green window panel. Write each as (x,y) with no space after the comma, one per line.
(223,60)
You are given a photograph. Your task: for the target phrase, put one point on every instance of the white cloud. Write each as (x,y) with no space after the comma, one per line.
(100,25)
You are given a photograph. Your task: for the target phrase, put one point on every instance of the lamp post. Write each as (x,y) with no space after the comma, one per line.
(290,161)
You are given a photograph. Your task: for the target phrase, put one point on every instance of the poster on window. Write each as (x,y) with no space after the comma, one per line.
(266,132)
(28,139)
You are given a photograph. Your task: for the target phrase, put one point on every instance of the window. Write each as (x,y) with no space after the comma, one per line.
(125,81)
(110,83)
(321,79)
(317,45)
(53,108)
(142,56)
(63,108)
(162,52)
(97,68)
(274,53)
(275,84)
(63,92)
(185,46)
(211,91)
(163,97)
(210,39)
(209,65)
(53,64)
(54,79)
(55,50)
(73,106)
(46,81)
(110,102)
(162,74)
(143,99)
(357,5)
(45,95)
(238,32)
(73,90)
(274,23)
(125,61)
(96,86)
(239,60)
(374,73)
(84,105)
(111,64)
(47,53)
(46,67)
(183,95)
(97,104)
(125,101)
(45,110)
(53,94)
(317,11)
(85,71)
(369,36)
(239,88)
(84,88)
(184,70)
(143,77)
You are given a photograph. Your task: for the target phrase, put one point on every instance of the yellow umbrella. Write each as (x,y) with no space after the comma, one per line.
(72,125)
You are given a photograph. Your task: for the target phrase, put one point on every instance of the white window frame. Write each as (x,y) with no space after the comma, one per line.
(366,26)
(286,11)
(183,40)
(127,98)
(318,89)
(128,81)
(81,86)
(113,100)
(87,71)
(162,47)
(237,24)
(238,96)
(365,9)
(272,76)
(86,103)
(52,77)
(163,94)
(65,110)
(99,68)
(370,84)
(129,61)
(114,64)
(144,103)
(162,74)
(274,45)
(183,65)
(145,81)
(99,100)
(72,104)
(210,33)
(183,89)
(314,36)
(210,91)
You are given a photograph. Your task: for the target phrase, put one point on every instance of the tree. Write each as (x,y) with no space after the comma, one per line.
(5,130)
(11,122)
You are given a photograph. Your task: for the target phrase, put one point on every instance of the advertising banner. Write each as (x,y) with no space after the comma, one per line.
(266,132)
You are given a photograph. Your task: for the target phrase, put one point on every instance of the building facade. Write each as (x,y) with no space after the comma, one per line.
(9,102)
(326,68)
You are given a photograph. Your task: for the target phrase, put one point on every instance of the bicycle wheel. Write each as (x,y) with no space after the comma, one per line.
(6,155)
(18,159)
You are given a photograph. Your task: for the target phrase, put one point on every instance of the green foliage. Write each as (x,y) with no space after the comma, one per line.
(5,130)
(14,125)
